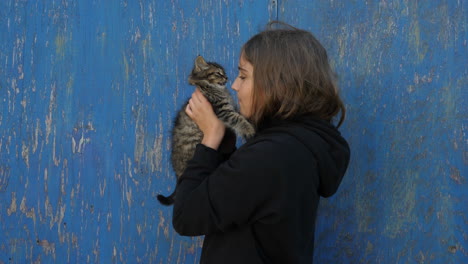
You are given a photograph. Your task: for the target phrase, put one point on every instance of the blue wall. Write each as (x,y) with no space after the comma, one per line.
(88,90)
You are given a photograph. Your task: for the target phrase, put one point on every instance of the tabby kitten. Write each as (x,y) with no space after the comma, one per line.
(211,79)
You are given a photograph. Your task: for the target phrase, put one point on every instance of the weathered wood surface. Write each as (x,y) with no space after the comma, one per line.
(89,90)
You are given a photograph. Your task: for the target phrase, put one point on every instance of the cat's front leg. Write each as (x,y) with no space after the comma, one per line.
(247,130)
(240,124)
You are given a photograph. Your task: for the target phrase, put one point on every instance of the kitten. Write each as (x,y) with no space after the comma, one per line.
(211,79)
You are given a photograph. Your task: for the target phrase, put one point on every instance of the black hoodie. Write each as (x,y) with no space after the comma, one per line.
(259,205)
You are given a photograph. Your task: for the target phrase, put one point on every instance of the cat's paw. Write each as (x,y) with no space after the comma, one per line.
(248,131)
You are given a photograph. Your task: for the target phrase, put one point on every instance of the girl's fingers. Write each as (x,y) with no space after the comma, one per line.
(196,96)
(198,105)
(199,95)
(188,109)
(193,104)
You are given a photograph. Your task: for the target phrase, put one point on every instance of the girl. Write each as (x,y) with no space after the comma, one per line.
(258,204)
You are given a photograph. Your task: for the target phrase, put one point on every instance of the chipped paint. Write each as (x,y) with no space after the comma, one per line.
(60,44)
(47,247)
(13,206)
(25,154)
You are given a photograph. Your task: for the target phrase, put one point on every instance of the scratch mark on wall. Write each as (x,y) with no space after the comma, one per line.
(49,211)
(137,35)
(12,96)
(12,208)
(79,147)
(46,177)
(60,42)
(162,225)
(114,254)
(54,158)
(70,82)
(62,177)
(23,104)
(128,195)
(47,247)
(139,136)
(147,51)
(73,145)
(139,228)
(109,221)
(82,143)
(102,188)
(59,219)
(126,68)
(30,213)
(25,154)
(48,120)
(155,153)
(36,136)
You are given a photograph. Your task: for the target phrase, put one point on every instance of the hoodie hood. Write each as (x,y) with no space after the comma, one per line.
(324,141)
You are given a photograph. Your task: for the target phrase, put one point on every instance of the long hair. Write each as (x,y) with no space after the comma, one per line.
(292,75)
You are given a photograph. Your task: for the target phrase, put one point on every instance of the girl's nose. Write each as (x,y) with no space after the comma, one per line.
(234,85)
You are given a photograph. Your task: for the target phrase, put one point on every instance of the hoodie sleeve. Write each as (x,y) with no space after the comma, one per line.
(214,196)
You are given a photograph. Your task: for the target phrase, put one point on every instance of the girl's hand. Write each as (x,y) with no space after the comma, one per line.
(201,112)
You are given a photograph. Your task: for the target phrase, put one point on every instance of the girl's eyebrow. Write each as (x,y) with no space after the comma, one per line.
(241,69)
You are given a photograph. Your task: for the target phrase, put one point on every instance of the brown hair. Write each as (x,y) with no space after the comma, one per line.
(292,75)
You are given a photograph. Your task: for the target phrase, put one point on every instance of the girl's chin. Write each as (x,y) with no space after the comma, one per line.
(244,114)
(242,111)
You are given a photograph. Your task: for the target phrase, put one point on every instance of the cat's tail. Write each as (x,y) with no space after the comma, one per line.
(169,200)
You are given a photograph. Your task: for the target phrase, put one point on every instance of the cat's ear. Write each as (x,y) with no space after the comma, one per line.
(200,64)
